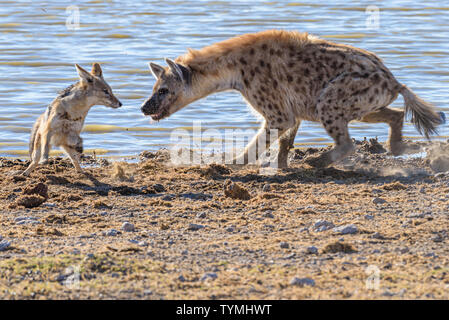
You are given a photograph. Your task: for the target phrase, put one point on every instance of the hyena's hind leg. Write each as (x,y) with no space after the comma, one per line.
(350,96)
(395,119)
(36,152)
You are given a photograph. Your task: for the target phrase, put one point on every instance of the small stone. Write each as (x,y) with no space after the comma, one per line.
(378,200)
(323,225)
(301,282)
(346,229)
(369,217)
(438,238)
(195,227)
(4,245)
(128,227)
(284,245)
(201,215)
(112,233)
(266,188)
(312,250)
(209,276)
(230,229)
(181,278)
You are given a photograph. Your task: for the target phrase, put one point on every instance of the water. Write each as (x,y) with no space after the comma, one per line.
(38,51)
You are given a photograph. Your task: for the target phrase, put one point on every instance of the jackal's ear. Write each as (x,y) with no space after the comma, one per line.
(156,70)
(83,74)
(182,72)
(96,70)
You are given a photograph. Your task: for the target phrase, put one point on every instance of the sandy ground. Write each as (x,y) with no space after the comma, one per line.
(373,227)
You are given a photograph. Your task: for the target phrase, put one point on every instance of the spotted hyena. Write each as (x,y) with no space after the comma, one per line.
(61,124)
(288,77)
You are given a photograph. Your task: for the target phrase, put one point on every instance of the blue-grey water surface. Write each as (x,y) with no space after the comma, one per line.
(39,45)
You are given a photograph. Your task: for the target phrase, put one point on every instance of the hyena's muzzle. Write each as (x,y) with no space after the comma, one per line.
(153,107)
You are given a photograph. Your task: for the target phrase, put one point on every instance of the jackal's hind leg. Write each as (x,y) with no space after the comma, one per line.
(45,147)
(35,156)
(395,119)
(74,156)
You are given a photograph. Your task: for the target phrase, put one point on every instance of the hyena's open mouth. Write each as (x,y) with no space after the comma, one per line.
(160,115)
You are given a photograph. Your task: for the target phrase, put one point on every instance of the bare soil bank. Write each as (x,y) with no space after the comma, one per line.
(373,227)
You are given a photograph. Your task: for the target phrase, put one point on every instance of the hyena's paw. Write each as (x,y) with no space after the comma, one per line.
(322,161)
(44,162)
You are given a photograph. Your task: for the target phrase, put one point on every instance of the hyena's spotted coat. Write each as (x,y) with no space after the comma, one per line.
(288,77)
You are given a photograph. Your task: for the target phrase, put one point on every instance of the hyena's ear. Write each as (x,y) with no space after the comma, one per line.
(156,70)
(83,74)
(96,70)
(182,72)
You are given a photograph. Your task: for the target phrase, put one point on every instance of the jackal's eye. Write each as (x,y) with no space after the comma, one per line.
(106,91)
(162,91)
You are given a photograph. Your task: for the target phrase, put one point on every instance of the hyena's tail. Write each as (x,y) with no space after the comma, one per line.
(424,116)
(33,137)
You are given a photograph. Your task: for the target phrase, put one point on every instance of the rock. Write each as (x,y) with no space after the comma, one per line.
(230,229)
(438,238)
(40,189)
(335,247)
(235,191)
(369,217)
(266,188)
(346,229)
(4,245)
(209,276)
(378,200)
(284,245)
(158,187)
(26,220)
(181,278)
(323,225)
(195,227)
(31,201)
(312,250)
(301,282)
(112,233)
(128,227)
(201,215)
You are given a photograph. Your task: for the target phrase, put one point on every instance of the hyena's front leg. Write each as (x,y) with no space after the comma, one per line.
(256,147)
(286,142)
(395,119)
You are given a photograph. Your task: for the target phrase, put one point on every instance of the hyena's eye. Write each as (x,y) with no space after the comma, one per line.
(163,91)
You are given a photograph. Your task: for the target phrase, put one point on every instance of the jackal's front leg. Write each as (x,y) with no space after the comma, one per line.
(74,149)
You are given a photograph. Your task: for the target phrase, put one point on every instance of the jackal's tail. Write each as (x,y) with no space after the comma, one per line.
(424,116)
(33,137)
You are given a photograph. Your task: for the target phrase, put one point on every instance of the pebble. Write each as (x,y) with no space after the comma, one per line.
(128,227)
(284,245)
(438,238)
(201,215)
(181,278)
(323,225)
(195,227)
(312,250)
(369,217)
(230,229)
(266,188)
(346,229)
(4,245)
(26,220)
(209,276)
(112,233)
(302,282)
(379,200)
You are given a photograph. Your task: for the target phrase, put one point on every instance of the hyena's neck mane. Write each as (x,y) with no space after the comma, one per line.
(219,66)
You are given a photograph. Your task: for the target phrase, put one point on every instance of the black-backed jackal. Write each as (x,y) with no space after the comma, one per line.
(61,124)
